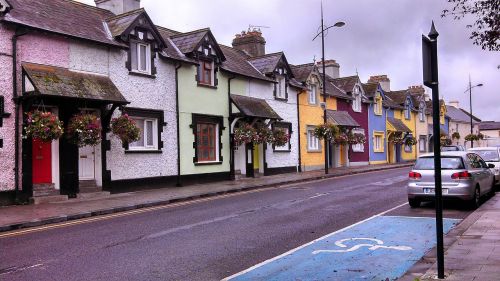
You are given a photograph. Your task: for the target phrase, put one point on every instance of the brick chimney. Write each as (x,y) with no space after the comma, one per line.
(250,42)
(332,68)
(454,103)
(384,81)
(118,6)
(418,89)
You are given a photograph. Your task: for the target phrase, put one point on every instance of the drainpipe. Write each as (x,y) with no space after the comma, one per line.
(178,178)
(15,98)
(231,135)
(298,132)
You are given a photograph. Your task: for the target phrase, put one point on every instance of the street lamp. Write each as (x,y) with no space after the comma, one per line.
(322,33)
(470,107)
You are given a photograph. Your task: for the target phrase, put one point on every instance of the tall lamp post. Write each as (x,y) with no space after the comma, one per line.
(322,33)
(470,107)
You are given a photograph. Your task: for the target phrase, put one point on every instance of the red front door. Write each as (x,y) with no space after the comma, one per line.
(42,162)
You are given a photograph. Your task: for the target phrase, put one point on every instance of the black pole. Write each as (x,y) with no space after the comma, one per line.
(324,84)
(470,108)
(437,152)
(178,178)
(231,134)
(298,133)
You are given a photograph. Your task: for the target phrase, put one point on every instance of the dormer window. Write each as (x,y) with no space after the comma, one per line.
(378,104)
(281,88)
(312,94)
(407,111)
(356,104)
(206,73)
(140,56)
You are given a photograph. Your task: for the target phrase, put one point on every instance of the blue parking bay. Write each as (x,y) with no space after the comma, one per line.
(377,249)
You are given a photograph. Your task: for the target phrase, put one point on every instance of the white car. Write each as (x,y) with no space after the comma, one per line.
(490,155)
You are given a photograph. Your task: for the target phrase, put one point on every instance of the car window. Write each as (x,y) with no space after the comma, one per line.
(473,161)
(449,148)
(447,163)
(481,161)
(488,155)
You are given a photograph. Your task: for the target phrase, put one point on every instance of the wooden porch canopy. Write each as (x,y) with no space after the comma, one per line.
(253,107)
(341,118)
(396,125)
(60,82)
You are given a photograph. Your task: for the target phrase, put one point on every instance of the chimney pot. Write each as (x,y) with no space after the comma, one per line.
(332,68)
(383,80)
(118,6)
(250,42)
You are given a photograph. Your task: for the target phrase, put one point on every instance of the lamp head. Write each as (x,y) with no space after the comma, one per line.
(479,85)
(339,24)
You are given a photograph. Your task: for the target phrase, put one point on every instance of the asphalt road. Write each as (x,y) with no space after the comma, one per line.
(208,239)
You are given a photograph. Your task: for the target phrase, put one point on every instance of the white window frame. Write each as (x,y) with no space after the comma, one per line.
(421,115)
(313,94)
(312,141)
(356,104)
(422,143)
(281,87)
(133,147)
(285,147)
(377,143)
(360,147)
(138,58)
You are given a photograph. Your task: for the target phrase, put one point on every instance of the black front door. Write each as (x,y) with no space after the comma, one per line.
(249,160)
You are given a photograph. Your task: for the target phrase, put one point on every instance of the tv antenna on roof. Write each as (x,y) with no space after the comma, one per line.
(252,27)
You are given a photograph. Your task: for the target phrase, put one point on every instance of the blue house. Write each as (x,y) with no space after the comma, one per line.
(377,113)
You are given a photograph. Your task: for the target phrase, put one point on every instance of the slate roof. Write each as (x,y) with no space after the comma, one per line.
(398,97)
(302,72)
(266,63)
(62,82)
(489,125)
(186,42)
(474,118)
(237,62)
(457,115)
(172,51)
(118,24)
(254,107)
(398,125)
(334,91)
(391,104)
(69,18)
(370,89)
(341,118)
(345,83)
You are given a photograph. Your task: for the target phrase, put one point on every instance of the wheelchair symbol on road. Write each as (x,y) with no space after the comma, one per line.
(376,244)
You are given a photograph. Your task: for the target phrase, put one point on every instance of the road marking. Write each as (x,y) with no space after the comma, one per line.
(379,244)
(167,206)
(310,243)
(396,243)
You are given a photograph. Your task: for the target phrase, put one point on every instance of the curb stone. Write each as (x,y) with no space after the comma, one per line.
(107,211)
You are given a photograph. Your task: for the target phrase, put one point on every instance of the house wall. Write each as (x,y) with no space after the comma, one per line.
(33,47)
(463,129)
(286,110)
(201,100)
(376,123)
(362,119)
(421,129)
(410,123)
(311,115)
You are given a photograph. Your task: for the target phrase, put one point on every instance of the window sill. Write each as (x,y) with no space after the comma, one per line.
(140,74)
(207,86)
(288,150)
(144,151)
(281,99)
(314,151)
(208,163)
(379,151)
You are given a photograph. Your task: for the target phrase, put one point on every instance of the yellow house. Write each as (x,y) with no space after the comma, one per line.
(312,152)
(401,119)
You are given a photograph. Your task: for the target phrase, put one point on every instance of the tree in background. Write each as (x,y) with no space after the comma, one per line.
(486,28)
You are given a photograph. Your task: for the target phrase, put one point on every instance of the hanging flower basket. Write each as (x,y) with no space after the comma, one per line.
(280,137)
(326,131)
(396,138)
(455,136)
(125,129)
(445,141)
(480,136)
(44,126)
(84,130)
(356,138)
(472,137)
(244,134)
(262,135)
(341,139)
(410,141)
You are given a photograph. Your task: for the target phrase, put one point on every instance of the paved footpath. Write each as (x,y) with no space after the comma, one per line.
(473,251)
(16,217)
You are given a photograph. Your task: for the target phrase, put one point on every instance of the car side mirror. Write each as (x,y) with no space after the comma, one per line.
(491,166)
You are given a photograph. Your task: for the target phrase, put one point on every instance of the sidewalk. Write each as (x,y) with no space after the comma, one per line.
(15,217)
(472,249)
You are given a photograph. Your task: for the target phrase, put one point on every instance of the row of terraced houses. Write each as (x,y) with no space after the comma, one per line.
(187,93)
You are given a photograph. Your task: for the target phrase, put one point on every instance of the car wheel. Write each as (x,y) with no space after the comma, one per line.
(475,201)
(414,203)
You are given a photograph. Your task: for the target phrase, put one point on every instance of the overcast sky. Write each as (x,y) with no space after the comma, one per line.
(380,37)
